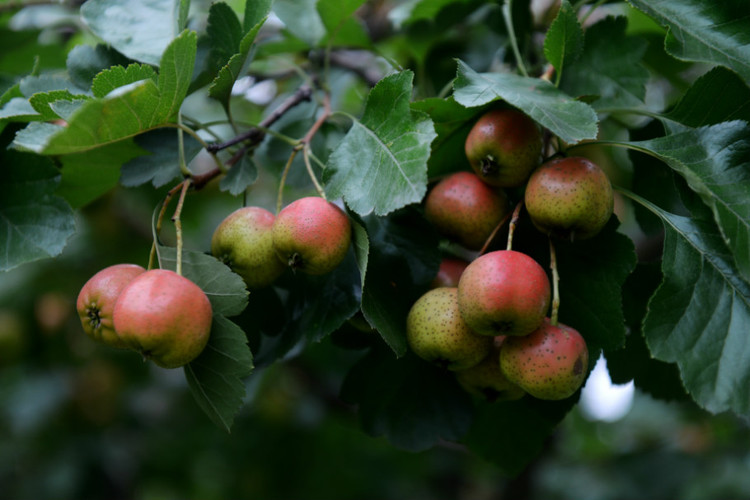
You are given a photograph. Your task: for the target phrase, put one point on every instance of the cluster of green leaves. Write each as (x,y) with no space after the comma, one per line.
(117,116)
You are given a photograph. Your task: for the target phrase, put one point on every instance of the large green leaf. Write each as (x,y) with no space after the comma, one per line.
(381,164)
(570,120)
(163,163)
(224,32)
(410,402)
(699,315)
(715,162)
(301,19)
(140,29)
(609,67)
(85,62)
(563,42)
(34,222)
(122,113)
(215,377)
(704,30)
(341,27)
(119,76)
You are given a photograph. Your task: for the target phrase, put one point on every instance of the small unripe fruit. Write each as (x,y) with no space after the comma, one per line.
(449,272)
(569,198)
(550,363)
(244,242)
(312,235)
(504,293)
(503,147)
(487,381)
(436,333)
(165,317)
(96,302)
(465,209)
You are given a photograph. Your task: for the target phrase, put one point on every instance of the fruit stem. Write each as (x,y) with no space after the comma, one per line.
(159,219)
(494,233)
(555,284)
(282,182)
(311,173)
(178,224)
(513,224)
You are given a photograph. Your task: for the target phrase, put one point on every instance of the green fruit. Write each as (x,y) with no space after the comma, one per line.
(96,302)
(464,208)
(550,363)
(504,293)
(569,198)
(312,235)
(449,272)
(503,147)
(487,381)
(244,242)
(165,317)
(436,333)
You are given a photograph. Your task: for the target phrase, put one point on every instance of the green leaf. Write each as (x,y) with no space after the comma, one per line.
(698,316)
(717,96)
(563,43)
(224,289)
(87,176)
(85,62)
(301,19)
(413,404)
(34,222)
(570,120)
(341,27)
(256,12)
(215,377)
(715,162)
(706,31)
(511,434)
(19,109)
(241,176)
(125,112)
(43,102)
(381,164)
(140,29)
(224,32)
(610,67)
(403,258)
(118,76)
(163,164)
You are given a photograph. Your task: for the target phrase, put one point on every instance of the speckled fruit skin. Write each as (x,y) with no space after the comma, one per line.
(165,317)
(465,209)
(436,333)
(569,198)
(312,235)
(550,363)
(96,301)
(504,293)
(487,381)
(449,272)
(244,242)
(503,147)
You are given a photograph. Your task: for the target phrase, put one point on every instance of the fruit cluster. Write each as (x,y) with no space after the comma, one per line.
(487,320)
(310,235)
(158,313)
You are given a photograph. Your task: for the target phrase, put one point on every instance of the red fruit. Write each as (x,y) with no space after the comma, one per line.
(569,198)
(449,273)
(312,235)
(96,301)
(504,293)
(464,208)
(550,363)
(487,381)
(165,317)
(503,147)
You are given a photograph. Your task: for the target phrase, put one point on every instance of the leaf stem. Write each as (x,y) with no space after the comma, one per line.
(508,17)
(181,148)
(555,284)
(178,223)
(513,224)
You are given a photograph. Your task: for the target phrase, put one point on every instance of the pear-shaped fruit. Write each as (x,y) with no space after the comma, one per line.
(503,147)
(96,301)
(550,363)
(465,209)
(487,381)
(449,272)
(436,332)
(504,293)
(244,242)
(569,198)
(165,317)
(312,235)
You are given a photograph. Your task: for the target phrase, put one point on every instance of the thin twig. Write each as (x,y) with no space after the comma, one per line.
(555,284)
(282,182)
(494,233)
(513,223)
